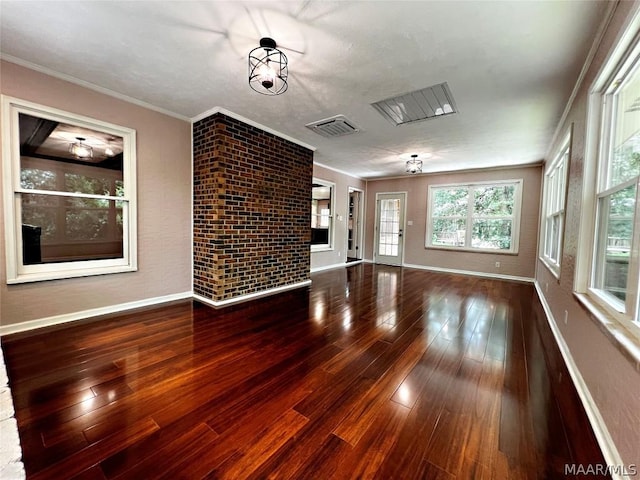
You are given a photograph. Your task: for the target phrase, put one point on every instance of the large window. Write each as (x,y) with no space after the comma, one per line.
(615,270)
(555,188)
(478,216)
(322,208)
(69,188)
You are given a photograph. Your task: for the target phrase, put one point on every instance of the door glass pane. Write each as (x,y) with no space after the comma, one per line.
(388,235)
(614,241)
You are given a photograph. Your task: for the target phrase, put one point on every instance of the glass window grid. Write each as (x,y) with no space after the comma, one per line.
(607,288)
(462,238)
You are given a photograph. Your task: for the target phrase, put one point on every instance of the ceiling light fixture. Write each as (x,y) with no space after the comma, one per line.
(81,149)
(268,70)
(109,150)
(414,165)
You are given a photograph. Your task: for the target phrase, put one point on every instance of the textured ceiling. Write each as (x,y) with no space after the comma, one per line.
(510,65)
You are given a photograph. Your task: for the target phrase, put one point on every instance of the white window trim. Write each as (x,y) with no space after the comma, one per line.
(607,311)
(16,271)
(515,227)
(332,218)
(555,266)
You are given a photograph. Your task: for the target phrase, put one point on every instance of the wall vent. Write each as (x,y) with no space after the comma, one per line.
(429,102)
(337,126)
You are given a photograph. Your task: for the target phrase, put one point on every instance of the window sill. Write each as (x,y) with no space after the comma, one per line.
(321,248)
(626,338)
(553,269)
(472,250)
(71,273)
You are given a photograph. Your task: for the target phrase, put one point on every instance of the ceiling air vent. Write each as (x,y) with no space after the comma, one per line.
(334,126)
(430,102)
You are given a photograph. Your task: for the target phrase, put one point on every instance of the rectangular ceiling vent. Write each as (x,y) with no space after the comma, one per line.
(430,102)
(337,126)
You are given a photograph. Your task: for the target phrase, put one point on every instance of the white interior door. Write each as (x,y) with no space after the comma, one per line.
(389,242)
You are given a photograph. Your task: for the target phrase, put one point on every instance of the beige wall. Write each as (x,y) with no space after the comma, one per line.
(164,206)
(339,253)
(612,379)
(415,253)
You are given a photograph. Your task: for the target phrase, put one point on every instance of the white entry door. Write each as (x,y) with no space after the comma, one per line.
(389,228)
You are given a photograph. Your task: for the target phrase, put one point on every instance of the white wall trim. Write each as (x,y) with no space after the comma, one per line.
(337,170)
(332,266)
(473,274)
(250,296)
(89,85)
(535,164)
(606,443)
(597,39)
(93,312)
(253,123)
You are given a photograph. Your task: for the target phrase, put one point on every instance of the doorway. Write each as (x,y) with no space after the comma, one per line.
(389,233)
(354,224)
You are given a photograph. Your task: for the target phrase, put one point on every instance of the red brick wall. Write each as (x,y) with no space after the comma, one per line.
(251,209)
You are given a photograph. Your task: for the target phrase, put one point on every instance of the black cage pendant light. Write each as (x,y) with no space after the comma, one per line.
(268,69)
(414,165)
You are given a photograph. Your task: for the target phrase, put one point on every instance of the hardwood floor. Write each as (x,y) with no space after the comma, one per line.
(372,372)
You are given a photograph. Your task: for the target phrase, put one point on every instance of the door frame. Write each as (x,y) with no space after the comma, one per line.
(403,225)
(359,232)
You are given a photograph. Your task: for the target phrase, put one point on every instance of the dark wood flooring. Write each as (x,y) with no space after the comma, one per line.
(372,372)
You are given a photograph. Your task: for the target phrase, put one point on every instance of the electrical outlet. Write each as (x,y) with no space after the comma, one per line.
(497,264)
(339,254)
(566,317)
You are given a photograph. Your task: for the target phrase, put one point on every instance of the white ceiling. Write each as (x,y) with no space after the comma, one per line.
(511,66)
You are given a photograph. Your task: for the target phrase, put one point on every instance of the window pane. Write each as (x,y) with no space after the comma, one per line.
(625,157)
(494,200)
(491,234)
(554,237)
(321,214)
(37,179)
(448,232)
(40,211)
(450,202)
(77,183)
(614,241)
(60,229)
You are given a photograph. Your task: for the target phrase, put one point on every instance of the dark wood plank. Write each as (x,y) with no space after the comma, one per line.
(372,372)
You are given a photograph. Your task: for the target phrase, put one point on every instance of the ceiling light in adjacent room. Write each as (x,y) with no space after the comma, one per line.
(81,149)
(109,150)
(268,70)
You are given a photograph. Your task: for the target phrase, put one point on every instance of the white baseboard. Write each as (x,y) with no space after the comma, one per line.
(606,443)
(250,296)
(475,274)
(333,266)
(93,312)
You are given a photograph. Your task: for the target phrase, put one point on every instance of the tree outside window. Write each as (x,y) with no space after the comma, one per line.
(480,216)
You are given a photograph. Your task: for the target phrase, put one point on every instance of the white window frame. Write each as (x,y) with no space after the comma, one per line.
(16,271)
(554,199)
(325,247)
(611,313)
(624,311)
(515,218)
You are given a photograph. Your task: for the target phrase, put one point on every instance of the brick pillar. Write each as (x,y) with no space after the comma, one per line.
(251,209)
